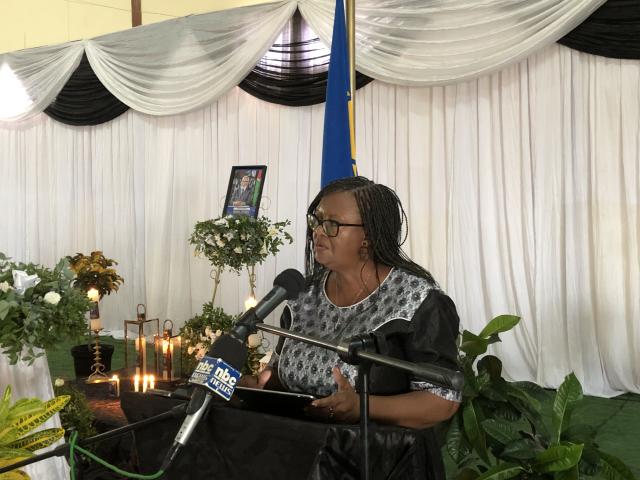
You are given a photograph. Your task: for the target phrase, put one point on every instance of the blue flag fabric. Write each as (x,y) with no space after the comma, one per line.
(338,145)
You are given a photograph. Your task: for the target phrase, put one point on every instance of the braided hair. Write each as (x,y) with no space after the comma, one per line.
(383,218)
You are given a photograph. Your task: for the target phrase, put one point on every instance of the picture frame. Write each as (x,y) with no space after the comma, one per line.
(244,191)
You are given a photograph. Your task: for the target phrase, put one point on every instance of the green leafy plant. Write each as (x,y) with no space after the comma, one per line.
(201,331)
(77,414)
(16,423)
(41,315)
(236,242)
(95,271)
(499,431)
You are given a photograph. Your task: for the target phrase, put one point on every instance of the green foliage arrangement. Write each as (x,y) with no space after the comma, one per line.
(43,314)
(95,271)
(200,332)
(76,415)
(237,242)
(17,420)
(499,431)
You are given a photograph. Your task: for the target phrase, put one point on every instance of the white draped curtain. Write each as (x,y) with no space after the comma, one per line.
(184,64)
(521,189)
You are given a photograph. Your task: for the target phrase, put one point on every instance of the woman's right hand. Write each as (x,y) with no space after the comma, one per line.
(256,381)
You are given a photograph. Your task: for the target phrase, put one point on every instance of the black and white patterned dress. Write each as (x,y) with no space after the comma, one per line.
(410,318)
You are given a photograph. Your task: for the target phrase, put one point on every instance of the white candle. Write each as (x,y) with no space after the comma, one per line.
(144,354)
(136,383)
(152,382)
(95,324)
(145,382)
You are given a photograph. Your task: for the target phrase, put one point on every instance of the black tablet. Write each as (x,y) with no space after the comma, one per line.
(288,404)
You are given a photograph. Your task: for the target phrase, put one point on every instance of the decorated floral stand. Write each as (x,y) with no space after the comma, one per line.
(235,243)
(38,307)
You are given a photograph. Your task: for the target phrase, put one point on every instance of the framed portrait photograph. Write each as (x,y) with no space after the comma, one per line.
(245,190)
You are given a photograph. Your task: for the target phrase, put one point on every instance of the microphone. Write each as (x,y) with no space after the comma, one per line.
(286,286)
(219,370)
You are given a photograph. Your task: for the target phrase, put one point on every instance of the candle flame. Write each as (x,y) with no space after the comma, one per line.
(250,303)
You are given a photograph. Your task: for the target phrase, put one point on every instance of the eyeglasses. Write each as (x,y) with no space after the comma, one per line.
(329,227)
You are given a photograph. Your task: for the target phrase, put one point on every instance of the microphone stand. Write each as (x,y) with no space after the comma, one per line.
(357,351)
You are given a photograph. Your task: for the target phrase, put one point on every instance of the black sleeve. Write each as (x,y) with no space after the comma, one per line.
(430,338)
(433,332)
(285,322)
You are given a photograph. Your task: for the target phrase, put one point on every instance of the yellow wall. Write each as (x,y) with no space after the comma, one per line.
(33,23)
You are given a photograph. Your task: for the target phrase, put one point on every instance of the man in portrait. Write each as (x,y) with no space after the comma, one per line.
(243,195)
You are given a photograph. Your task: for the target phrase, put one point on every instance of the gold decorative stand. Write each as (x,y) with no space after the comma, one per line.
(97,369)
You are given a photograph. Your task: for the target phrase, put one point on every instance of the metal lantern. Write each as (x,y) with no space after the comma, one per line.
(141,342)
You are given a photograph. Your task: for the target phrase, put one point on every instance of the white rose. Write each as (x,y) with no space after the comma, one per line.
(238,250)
(220,243)
(59,382)
(243,237)
(207,331)
(229,235)
(254,340)
(220,221)
(5,287)
(273,231)
(190,350)
(218,333)
(52,297)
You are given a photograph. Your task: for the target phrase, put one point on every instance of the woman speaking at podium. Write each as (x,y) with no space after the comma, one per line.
(359,281)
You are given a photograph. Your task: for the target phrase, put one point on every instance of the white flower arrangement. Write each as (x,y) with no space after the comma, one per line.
(237,242)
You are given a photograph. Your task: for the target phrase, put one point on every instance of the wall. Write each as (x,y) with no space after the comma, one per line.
(33,23)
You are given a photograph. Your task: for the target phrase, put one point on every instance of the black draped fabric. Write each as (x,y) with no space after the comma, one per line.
(611,31)
(294,70)
(84,100)
(239,444)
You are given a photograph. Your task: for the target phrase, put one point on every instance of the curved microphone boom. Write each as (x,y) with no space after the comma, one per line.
(227,356)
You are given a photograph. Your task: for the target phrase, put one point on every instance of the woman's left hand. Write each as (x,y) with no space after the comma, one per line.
(344,405)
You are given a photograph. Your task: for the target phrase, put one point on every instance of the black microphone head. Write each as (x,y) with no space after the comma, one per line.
(292,281)
(229,349)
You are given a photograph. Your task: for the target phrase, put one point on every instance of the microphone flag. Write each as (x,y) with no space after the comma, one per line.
(216,375)
(338,144)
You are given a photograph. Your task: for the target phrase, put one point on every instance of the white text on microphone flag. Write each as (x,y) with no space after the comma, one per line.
(216,375)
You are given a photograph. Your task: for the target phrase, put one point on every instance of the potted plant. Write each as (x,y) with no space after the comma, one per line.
(38,308)
(17,421)
(94,271)
(499,431)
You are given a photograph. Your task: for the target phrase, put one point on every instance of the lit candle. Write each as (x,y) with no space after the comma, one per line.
(143,353)
(145,383)
(95,324)
(136,383)
(152,382)
(250,303)
(116,382)
(93,295)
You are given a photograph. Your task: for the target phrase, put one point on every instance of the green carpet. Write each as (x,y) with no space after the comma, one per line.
(61,362)
(617,419)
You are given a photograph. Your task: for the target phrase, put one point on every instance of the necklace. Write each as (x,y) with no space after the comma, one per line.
(355,297)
